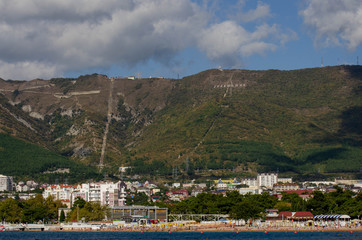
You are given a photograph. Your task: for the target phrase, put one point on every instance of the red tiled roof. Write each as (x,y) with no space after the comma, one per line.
(285,214)
(303,214)
(299,192)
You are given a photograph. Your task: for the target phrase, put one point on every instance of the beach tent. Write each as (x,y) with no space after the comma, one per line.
(331,217)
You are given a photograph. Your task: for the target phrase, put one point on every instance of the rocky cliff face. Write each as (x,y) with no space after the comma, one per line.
(73,112)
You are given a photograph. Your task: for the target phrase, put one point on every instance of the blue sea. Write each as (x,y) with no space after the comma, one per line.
(177,235)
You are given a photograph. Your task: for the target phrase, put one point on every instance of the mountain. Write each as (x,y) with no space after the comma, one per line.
(218,122)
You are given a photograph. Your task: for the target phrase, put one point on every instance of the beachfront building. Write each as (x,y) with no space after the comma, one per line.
(6,183)
(140,214)
(106,193)
(290,219)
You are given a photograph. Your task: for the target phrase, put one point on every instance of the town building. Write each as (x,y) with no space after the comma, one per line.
(177,195)
(140,214)
(281,187)
(267,179)
(285,180)
(285,217)
(106,193)
(249,181)
(6,183)
(303,193)
(250,190)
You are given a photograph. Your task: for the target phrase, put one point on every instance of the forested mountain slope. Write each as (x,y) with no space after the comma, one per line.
(304,121)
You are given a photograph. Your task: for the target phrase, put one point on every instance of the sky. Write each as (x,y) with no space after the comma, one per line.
(174,38)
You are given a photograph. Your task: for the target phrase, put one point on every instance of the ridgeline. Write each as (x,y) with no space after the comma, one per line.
(303,123)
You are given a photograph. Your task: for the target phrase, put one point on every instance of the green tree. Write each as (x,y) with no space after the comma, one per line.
(319,204)
(246,210)
(283,206)
(138,199)
(34,210)
(297,203)
(10,211)
(62,216)
(79,202)
(91,211)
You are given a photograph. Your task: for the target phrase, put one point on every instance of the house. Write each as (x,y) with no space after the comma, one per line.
(303,193)
(196,191)
(145,190)
(281,187)
(201,185)
(250,190)
(178,195)
(222,184)
(176,185)
(285,180)
(187,185)
(271,213)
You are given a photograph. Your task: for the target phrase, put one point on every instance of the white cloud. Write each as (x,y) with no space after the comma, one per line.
(227,41)
(261,11)
(37,35)
(28,70)
(335,22)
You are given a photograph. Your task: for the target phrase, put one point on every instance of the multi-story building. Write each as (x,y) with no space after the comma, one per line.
(285,180)
(250,190)
(249,181)
(267,179)
(111,194)
(281,187)
(6,183)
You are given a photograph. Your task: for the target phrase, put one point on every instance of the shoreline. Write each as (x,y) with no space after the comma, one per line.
(218,229)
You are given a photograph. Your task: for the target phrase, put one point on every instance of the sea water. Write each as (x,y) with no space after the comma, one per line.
(178,235)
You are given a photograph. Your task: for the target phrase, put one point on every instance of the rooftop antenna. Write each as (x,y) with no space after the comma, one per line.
(321,61)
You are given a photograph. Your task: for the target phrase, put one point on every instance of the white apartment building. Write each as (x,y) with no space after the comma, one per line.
(250,190)
(111,194)
(6,183)
(267,179)
(285,180)
(278,188)
(249,181)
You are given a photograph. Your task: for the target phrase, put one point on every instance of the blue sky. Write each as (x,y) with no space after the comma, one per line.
(174,38)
